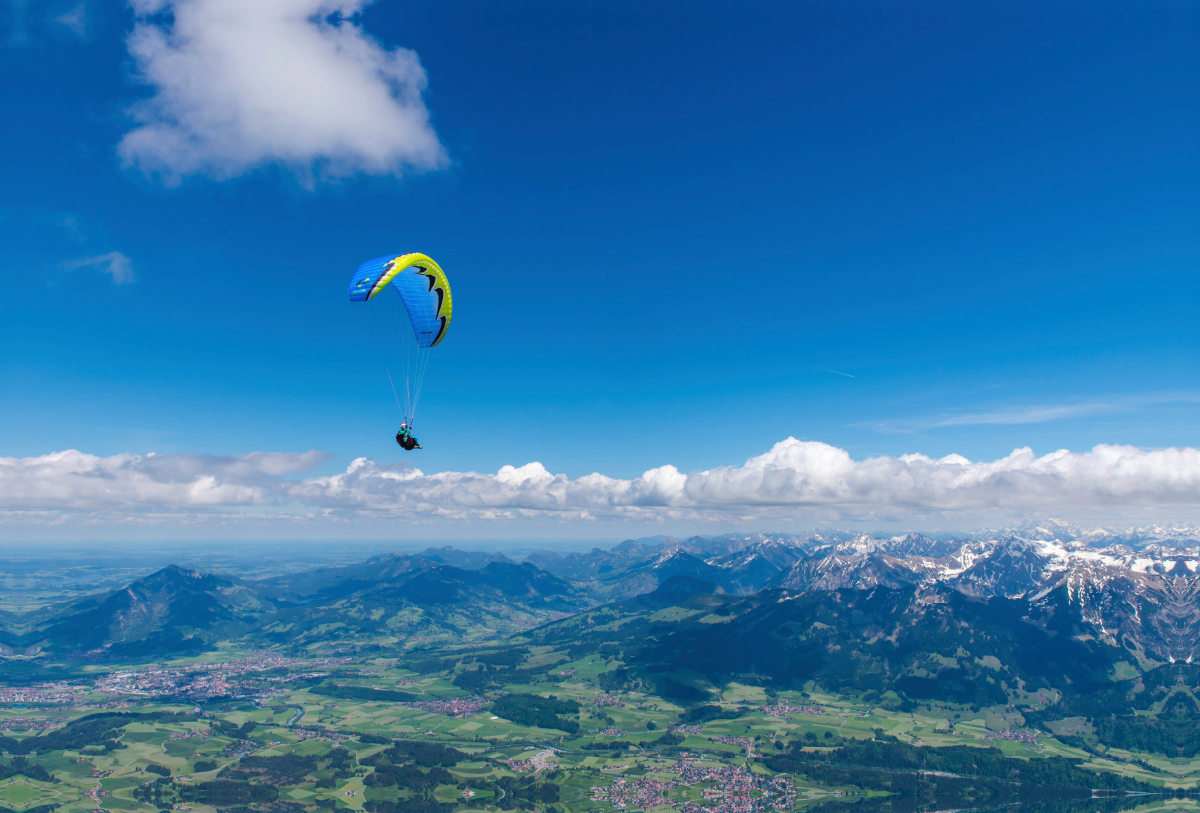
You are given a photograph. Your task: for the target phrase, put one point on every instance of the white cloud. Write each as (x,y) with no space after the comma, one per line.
(74,481)
(240,84)
(114,263)
(799,473)
(792,478)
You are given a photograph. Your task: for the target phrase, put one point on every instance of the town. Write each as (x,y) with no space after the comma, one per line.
(733,790)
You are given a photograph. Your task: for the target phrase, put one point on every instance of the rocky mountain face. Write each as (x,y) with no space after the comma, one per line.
(1138,589)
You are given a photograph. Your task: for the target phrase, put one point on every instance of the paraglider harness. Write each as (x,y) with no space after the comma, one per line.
(406,439)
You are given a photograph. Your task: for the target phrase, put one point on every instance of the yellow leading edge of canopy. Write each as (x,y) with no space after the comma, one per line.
(428,268)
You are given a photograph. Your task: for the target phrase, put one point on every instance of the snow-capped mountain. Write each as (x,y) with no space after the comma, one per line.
(1147,599)
(1138,588)
(1176,534)
(847,569)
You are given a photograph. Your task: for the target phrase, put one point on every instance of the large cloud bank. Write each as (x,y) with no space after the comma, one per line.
(791,478)
(74,481)
(240,84)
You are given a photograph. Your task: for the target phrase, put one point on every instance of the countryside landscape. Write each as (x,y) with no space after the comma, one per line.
(1046,667)
(412,406)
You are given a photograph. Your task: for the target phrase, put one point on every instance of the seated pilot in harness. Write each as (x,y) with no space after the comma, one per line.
(406,438)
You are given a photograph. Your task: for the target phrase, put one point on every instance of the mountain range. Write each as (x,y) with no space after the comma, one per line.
(386,599)
(1145,598)
(1134,591)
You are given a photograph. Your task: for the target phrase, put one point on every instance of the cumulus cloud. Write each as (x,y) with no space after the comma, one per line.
(74,481)
(114,263)
(794,476)
(800,473)
(239,84)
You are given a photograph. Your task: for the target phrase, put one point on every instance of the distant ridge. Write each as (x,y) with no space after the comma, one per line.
(1138,587)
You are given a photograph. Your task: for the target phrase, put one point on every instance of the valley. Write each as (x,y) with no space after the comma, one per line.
(739,674)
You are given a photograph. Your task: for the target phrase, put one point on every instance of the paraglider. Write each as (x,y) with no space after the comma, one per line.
(407,297)
(406,439)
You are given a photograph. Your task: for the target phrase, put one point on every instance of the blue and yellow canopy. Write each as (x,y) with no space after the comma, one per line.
(422,286)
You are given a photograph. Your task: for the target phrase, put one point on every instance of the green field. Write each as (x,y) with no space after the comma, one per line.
(310,735)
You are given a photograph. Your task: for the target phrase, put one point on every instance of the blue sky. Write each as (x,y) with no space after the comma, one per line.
(677,233)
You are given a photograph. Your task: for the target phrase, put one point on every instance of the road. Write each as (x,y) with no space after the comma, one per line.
(541,762)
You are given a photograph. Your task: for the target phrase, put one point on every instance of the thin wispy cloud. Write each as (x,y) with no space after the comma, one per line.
(887,428)
(239,85)
(791,478)
(1029,414)
(835,372)
(114,263)
(69,223)
(75,20)
(32,24)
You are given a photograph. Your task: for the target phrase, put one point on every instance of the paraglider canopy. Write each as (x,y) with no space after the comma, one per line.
(421,285)
(407,297)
